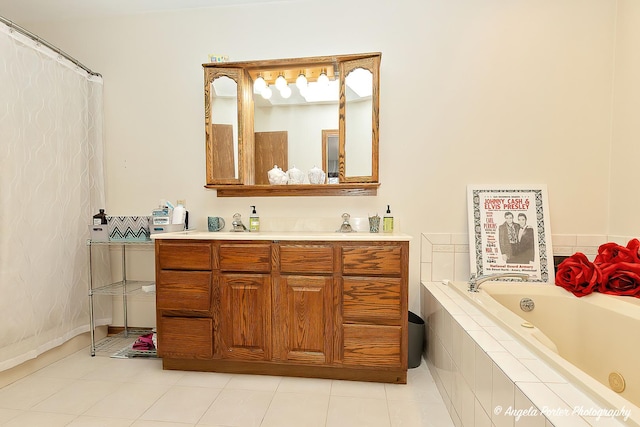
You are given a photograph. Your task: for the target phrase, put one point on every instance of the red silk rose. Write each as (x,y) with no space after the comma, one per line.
(614,253)
(578,275)
(622,278)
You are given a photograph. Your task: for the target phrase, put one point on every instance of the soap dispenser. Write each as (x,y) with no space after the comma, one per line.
(387,222)
(254,220)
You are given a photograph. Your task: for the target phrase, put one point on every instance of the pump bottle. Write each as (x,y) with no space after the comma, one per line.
(387,222)
(254,220)
(100,218)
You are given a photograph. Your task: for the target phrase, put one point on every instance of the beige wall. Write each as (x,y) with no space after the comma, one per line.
(625,152)
(497,91)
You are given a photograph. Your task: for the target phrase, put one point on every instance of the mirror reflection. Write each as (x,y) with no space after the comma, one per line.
(301,108)
(224,128)
(331,154)
(358,108)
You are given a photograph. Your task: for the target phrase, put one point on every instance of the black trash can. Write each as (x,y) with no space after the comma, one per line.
(416,339)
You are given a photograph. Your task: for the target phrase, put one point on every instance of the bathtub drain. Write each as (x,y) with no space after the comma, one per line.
(616,382)
(527,304)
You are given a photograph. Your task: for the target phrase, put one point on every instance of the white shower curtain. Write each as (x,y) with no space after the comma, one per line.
(51,182)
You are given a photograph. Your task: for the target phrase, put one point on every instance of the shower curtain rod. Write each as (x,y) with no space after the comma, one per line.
(15,27)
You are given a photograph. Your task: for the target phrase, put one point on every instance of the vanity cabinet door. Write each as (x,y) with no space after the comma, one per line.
(243,320)
(303,316)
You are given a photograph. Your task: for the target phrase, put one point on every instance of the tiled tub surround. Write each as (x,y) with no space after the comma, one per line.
(445,256)
(478,366)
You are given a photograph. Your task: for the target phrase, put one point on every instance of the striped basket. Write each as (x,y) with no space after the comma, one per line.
(128,228)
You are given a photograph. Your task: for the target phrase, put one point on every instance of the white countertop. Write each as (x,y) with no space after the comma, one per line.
(283,235)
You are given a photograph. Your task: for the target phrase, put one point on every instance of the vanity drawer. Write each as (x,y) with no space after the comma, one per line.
(306,259)
(371,345)
(372,260)
(245,257)
(185,338)
(184,255)
(372,300)
(184,290)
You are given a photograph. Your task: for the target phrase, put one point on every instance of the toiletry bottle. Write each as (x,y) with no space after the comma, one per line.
(254,220)
(387,222)
(178,215)
(100,218)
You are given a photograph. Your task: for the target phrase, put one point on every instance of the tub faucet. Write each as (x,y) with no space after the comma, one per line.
(476,281)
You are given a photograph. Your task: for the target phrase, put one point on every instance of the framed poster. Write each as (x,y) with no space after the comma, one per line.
(509,231)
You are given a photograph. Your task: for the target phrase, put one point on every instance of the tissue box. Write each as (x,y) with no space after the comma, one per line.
(165,228)
(128,228)
(99,233)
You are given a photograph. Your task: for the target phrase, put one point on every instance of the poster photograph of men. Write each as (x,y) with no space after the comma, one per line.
(517,241)
(509,231)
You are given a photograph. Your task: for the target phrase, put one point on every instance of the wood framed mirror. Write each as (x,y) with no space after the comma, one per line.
(333,111)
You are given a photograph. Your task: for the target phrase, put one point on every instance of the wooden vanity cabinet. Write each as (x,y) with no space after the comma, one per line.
(317,309)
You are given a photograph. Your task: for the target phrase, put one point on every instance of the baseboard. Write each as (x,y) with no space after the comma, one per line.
(47,358)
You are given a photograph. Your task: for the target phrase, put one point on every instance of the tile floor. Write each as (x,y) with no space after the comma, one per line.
(81,390)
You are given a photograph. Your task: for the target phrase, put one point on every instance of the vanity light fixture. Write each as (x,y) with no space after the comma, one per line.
(259,84)
(281,82)
(285,92)
(322,78)
(301,81)
(266,92)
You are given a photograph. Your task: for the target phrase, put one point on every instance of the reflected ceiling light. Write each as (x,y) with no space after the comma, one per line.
(281,82)
(361,82)
(259,84)
(322,92)
(266,92)
(322,78)
(301,81)
(285,92)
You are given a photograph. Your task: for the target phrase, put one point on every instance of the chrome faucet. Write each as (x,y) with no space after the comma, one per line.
(237,223)
(476,281)
(345,227)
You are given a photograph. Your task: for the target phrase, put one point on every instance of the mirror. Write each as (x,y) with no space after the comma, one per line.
(357,147)
(330,122)
(224,128)
(224,125)
(359,103)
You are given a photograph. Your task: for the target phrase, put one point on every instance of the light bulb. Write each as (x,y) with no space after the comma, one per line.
(285,92)
(259,84)
(301,81)
(323,79)
(266,92)
(281,82)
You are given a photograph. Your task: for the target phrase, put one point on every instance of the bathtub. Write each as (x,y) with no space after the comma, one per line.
(583,340)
